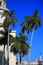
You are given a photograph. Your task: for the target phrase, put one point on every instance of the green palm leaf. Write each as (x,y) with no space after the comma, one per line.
(9,18)
(33,21)
(20,44)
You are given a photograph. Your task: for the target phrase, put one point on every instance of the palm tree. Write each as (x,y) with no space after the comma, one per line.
(20,46)
(3,41)
(31,23)
(9,19)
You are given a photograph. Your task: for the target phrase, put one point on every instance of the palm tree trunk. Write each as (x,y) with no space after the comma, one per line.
(22,59)
(29,54)
(8,49)
(18,58)
(3,58)
(4,54)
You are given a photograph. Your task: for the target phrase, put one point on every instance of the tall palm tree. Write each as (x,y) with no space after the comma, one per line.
(9,18)
(3,41)
(31,23)
(20,46)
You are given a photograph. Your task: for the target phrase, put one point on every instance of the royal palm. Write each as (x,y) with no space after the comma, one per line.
(20,46)
(31,23)
(9,19)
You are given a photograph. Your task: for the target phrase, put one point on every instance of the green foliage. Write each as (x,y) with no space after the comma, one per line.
(9,18)
(33,21)
(4,39)
(20,45)
(11,40)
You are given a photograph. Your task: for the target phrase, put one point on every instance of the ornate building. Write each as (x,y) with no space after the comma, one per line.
(35,62)
(12,58)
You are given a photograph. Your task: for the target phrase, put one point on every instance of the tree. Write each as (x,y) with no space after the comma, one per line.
(20,45)
(31,23)
(3,41)
(9,19)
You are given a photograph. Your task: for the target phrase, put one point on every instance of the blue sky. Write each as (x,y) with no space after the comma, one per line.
(24,8)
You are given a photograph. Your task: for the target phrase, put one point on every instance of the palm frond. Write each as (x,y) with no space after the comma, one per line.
(14,20)
(12,12)
(36,14)
(20,44)
(33,21)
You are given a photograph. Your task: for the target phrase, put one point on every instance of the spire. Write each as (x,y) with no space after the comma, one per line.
(40,58)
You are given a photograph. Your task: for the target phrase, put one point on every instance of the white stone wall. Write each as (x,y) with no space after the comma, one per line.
(12,59)
(1,48)
(35,62)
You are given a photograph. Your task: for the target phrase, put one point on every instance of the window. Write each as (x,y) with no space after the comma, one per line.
(0,3)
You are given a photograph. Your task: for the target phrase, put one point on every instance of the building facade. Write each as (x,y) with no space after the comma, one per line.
(35,62)
(12,58)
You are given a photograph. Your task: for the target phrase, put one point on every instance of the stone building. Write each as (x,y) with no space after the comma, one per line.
(35,62)
(12,58)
